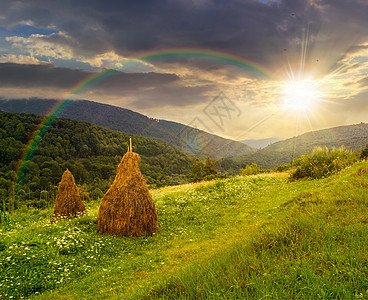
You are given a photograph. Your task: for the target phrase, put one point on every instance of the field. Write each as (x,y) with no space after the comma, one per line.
(259,236)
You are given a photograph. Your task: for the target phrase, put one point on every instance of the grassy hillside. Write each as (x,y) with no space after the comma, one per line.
(354,137)
(181,137)
(246,237)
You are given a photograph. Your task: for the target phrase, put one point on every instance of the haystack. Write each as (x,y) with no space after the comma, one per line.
(68,203)
(127,208)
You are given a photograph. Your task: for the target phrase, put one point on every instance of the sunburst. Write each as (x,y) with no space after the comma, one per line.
(300,95)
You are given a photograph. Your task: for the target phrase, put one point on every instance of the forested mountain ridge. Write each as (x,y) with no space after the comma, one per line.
(354,137)
(90,152)
(193,141)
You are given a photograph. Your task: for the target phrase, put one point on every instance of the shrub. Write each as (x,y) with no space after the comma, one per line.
(364,153)
(197,171)
(209,168)
(281,168)
(252,169)
(322,162)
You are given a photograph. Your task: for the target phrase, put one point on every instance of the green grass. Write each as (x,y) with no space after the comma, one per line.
(247,237)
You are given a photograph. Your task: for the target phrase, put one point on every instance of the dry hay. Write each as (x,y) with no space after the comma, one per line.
(127,208)
(68,203)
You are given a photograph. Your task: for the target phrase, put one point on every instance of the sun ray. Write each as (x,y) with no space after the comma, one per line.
(334,73)
(308,119)
(303,54)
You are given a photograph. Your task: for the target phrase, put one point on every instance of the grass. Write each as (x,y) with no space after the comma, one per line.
(247,237)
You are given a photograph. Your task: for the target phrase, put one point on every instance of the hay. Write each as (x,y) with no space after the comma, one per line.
(127,208)
(68,203)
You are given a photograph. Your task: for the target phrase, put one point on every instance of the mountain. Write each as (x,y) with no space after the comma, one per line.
(182,137)
(261,143)
(354,137)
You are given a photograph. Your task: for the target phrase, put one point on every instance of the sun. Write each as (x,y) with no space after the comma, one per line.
(300,95)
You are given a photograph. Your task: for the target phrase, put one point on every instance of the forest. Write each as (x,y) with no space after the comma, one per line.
(90,152)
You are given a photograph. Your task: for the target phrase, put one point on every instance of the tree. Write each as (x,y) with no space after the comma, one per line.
(209,169)
(252,169)
(364,154)
(3,197)
(196,174)
(45,178)
(322,162)
(80,173)
(20,133)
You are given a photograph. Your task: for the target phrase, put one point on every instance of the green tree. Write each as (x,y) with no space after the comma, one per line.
(364,154)
(45,178)
(196,174)
(322,162)
(3,197)
(252,169)
(96,194)
(209,169)
(80,173)
(20,132)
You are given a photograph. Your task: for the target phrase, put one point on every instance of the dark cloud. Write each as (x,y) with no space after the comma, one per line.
(260,31)
(356,48)
(270,33)
(144,90)
(169,95)
(35,76)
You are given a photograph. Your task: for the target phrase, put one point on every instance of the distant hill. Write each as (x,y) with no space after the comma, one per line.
(261,143)
(354,137)
(192,141)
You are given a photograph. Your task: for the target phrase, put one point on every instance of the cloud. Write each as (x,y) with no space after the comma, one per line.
(142,90)
(363,82)
(20,59)
(323,40)
(171,95)
(21,75)
(357,49)
(40,45)
(260,31)
(60,46)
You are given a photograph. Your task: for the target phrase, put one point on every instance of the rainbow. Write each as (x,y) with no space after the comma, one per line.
(42,127)
(204,53)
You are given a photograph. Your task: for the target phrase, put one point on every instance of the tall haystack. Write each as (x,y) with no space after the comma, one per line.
(127,208)
(68,203)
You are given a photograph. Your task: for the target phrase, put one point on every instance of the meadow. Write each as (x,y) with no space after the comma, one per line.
(260,236)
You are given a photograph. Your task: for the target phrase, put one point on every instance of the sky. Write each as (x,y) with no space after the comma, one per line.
(241,69)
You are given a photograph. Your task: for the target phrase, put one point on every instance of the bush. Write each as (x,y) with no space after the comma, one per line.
(364,153)
(252,169)
(322,163)
(282,168)
(210,177)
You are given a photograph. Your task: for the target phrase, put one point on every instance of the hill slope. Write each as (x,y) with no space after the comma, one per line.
(182,137)
(354,137)
(90,152)
(243,238)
